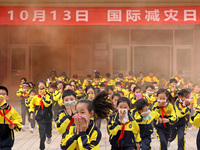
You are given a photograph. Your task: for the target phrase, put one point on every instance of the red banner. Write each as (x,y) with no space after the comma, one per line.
(99,15)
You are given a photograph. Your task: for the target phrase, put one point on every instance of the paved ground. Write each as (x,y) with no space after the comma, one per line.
(28,141)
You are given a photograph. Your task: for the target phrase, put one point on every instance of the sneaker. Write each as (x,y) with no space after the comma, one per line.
(23,128)
(48,140)
(31,130)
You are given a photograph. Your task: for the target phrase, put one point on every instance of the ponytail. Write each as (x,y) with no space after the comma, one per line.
(100,104)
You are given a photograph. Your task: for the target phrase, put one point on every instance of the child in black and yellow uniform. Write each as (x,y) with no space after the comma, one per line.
(41,104)
(136,95)
(27,102)
(173,89)
(10,120)
(63,78)
(87,81)
(23,94)
(179,79)
(57,102)
(130,78)
(84,134)
(64,118)
(150,79)
(144,117)
(124,130)
(96,82)
(90,93)
(195,120)
(108,81)
(120,79)
(75,88)
(149,94)
(183,108)
(76,79)
(131,87)
(168,117)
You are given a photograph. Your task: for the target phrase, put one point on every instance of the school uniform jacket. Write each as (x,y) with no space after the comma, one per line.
(86,83)
(151,99)
(78,81)
(133,99)
(131,132)
(168,112)
(110,83)
(22,95)
(148,79)
(195,119)
(6,134)
(63,121)
(146,128)
(181,112)
(89,140)
(127,80)
(42,108)
(27,102)
(173,93)
(57,100)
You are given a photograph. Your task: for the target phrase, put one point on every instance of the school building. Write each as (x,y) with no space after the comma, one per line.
(131,39)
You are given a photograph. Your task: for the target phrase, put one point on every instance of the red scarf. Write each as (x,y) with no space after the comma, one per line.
(4,115)
(71,122)
(151,79)
(162,114)
(185,115)
(41,102)
(25,94)
(122,85)
(122,132)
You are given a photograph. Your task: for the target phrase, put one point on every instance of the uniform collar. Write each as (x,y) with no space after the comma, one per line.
(180,100)
(90,127)
(7,106)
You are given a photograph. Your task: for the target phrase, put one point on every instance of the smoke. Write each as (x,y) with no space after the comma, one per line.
(77,49)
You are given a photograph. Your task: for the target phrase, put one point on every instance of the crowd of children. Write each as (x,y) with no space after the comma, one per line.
(134,108)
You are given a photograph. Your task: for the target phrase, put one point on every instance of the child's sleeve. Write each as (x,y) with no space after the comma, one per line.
(195,119)
(47,101)
(181,112)
(60,101)
(136,132)
(70,139)
(56,96)
(92,143)
(152,99)
(19,92)
(27,101)
(114,126)
(62,121)
(155,107)
(16,119)
(154,115)
(173,118)
(32,105)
